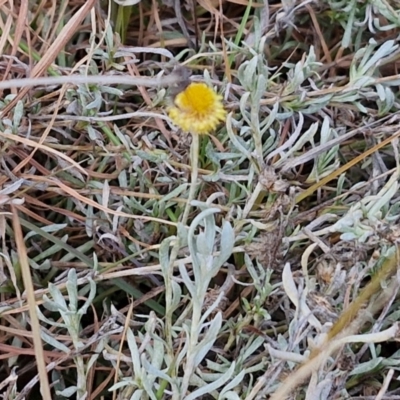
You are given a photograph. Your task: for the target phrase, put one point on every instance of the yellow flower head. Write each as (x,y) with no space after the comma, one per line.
(197,109)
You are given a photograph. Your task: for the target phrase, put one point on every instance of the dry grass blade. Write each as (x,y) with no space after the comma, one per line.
(19,29)
(31,143)
(57,46)
(345,167)
(31,299)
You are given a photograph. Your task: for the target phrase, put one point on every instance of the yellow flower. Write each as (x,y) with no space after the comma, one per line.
(197,109)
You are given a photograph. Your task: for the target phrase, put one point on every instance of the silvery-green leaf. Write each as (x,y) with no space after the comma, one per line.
(258,94)
(119,385)
(211,308)
(202,217)
(156,156)
(90,297)
(137,395)
(192,238)
(361,108)
(109,37)
(147,381)
(89,221)
(11,188)
(51,250)
(218,366)
(94,134)
(229,396)
(208,341)
(246,73)
(367,367)
(72,288)
(111,90)
(288,143)
(209,377)
(380,90)
(105,194)
(51,306)
(326,130)
(183,352)
(182,233)
(123,179)
(48,228)
(388,103)
(226,247)
(251,269)
(347,237)
(346,38)
(256,367)
(33,264)
(243,105)
(132,203)
(250,350)
(67,392)
(305,137)
(212,386)
(164,255)
(123,51)
(17,342)
(176,294)
(187,281)
(174,193)
(235,139)
(156,372)
(289,285)
(387,48)
(96,103)
(384,197)
(209,233)
(232,384)
(202,244)
(54,343)
(268,121)
(123,138)
(126,3)
(57,297)
(18,114)
(157,357)
(92,361)
(134,353)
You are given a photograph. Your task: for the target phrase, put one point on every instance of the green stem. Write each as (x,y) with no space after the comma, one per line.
(194,161)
